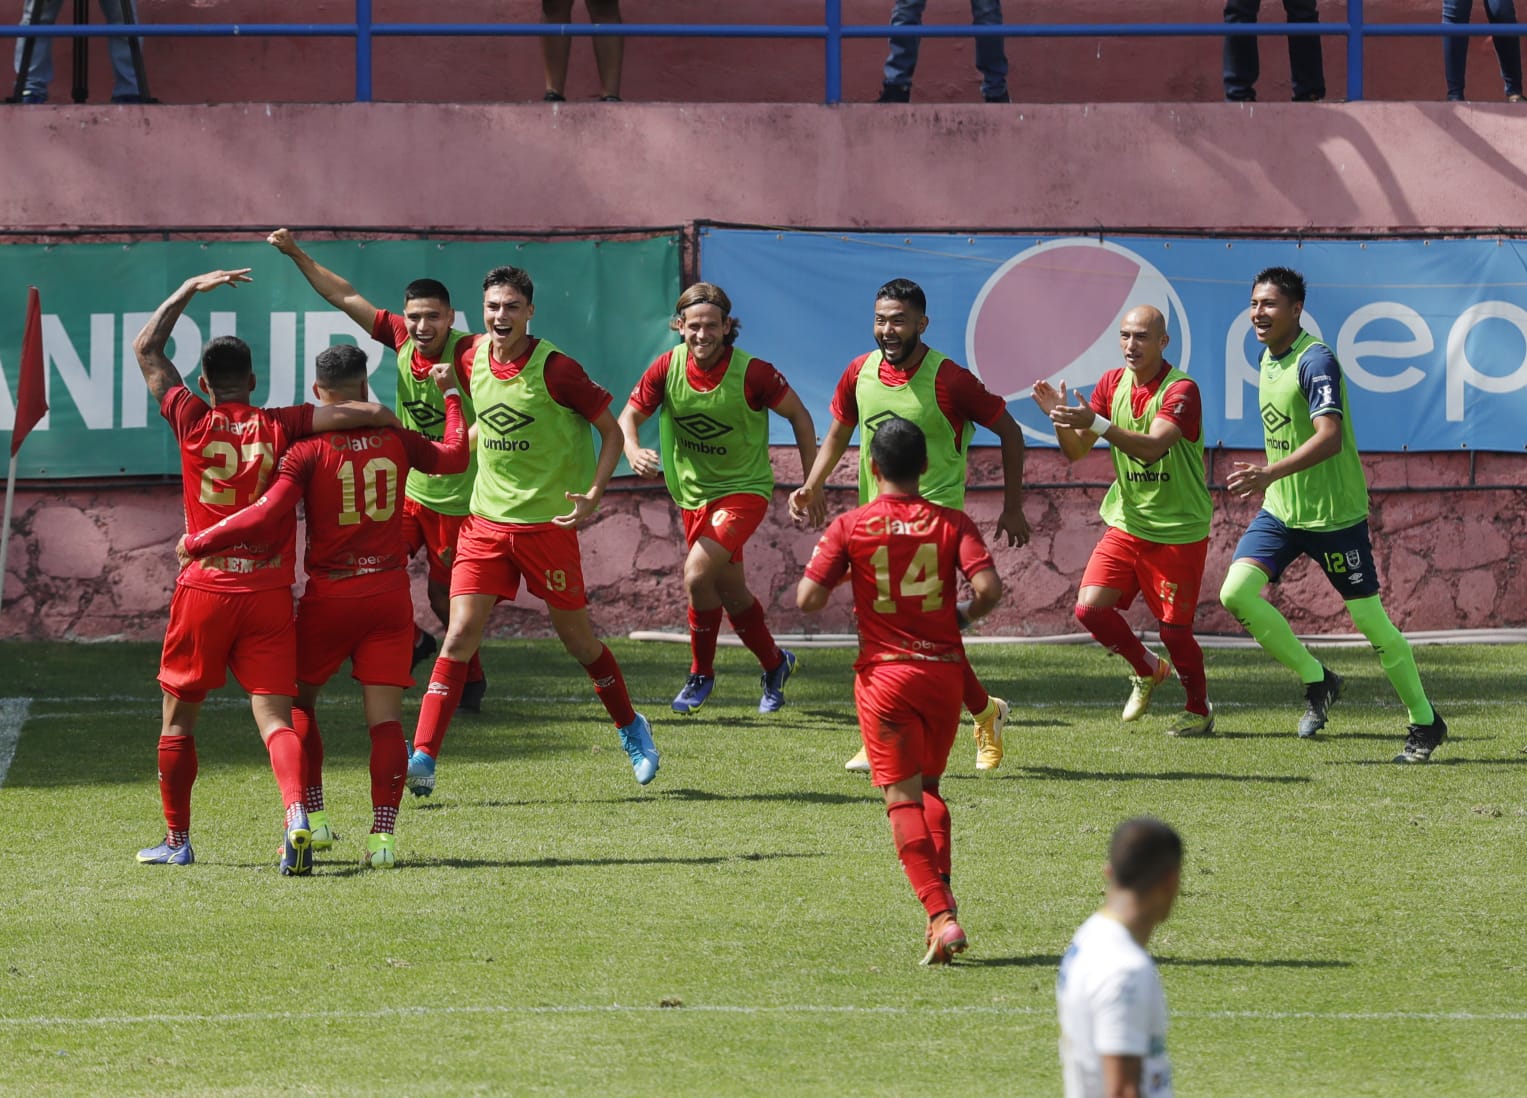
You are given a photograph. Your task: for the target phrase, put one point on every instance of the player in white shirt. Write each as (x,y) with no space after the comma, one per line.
(1112,1008)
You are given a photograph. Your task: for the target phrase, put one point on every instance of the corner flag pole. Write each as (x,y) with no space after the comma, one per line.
(31,406)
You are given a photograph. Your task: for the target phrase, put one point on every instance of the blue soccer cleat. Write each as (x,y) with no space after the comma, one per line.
(297,847)
(696,689)
(165,854)
(421,774)
(773,699)
(636,738)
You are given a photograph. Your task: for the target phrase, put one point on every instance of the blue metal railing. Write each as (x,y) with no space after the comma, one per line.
(832,32)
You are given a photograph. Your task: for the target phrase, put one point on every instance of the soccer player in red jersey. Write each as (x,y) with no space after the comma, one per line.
(1157,510)
(901,553)
(356,606)
(905,378)
(538,480)
(714,401)
(434,505)
(233,610)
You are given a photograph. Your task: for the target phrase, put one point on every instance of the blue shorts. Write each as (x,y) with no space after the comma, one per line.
(1345,556)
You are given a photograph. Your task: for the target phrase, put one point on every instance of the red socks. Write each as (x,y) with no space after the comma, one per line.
(753,630)
(439,705)
(177,773)
(305,723)
(286,762)
(1109,629)
(610,685)
(704,627)
(936,816)
(1188,659)
(919,859)
(389,764)
(976,698)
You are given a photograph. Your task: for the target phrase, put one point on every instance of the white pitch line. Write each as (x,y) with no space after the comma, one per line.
(13,714)
(805,1009)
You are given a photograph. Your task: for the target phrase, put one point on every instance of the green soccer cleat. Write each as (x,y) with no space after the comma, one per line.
(1192,724)
(1141,687)
(323,834)
(381,851)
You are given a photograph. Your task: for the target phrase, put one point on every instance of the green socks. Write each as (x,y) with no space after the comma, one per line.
(1395,656)
(1242,595)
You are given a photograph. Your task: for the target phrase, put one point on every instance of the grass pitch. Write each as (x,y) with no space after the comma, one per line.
(741,927)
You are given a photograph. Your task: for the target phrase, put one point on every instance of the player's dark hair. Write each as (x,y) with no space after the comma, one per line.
(1142,852)
(511,276)
(906,291)
(340,366)
(226,363)
(1290,282)
(900,450)
(427,288)
(707,293)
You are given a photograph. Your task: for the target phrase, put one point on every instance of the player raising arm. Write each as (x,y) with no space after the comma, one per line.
(232,611)
(713,400)
(902,553)
(357,604)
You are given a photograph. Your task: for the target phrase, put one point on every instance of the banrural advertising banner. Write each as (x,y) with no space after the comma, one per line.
(1431,334)
(606,303)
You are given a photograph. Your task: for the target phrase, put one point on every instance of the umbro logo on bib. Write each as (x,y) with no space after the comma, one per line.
(875,422)
(702,426)
(503,419)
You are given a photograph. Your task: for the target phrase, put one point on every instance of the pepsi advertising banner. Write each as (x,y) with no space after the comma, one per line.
(1431,334)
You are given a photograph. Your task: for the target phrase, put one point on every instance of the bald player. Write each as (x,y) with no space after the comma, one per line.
(1157,512)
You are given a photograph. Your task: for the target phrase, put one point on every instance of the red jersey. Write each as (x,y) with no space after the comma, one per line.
(960,395)
(352,483)
(1181,405)
(566,381)
(227,456)
(901,553)
(764,386)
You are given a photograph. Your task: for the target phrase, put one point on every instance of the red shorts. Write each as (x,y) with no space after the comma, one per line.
(1167,576)
(728,521)
(375,633)
(213,632)
(491,558)
(433,532)
(909,716)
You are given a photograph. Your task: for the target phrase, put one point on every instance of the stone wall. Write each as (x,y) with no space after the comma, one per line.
(89,564)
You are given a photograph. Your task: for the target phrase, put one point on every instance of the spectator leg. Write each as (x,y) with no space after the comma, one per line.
(1243,61)
(991,53)
(1304,61)
(901,62)
(1508,48)
(1455,50)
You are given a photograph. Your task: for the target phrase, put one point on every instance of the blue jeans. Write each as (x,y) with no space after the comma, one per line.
(1243,63)
(1455,51)
(991,58)
(40,75)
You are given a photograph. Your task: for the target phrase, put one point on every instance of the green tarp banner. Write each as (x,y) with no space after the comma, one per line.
(605,302)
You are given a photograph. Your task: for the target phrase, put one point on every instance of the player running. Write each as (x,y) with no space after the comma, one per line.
(1157,511)
(434,505)
(901,553)
(1315,504)
(232,611)
(713,401)
(357,604)
(538,480)
(906,379)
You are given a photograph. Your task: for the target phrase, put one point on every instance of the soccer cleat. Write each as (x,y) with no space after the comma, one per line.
(696,689)
(165,854)
(297,847)
(425,646)
(860,763)
(1321,696)
(945,939)
(1191,724)
(381,851)
(636,738)
(1420,741)
(1141,687)
(323,834)
(421,774)
(471,695)
(773,683)
(989,735)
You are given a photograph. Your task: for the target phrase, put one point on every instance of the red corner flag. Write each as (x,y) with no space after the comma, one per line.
(32,392)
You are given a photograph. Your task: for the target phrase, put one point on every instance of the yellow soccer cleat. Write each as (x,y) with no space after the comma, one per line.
(860,763)
(1192,724)
(381,851)
(1141,689)
(988,731)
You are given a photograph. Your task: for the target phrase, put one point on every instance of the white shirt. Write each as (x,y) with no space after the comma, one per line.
(1110,1001)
